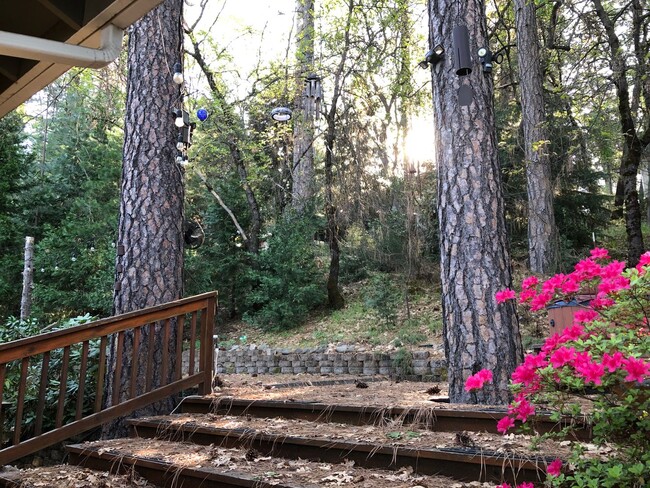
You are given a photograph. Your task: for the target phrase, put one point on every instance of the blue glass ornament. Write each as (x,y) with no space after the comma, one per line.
(202,114)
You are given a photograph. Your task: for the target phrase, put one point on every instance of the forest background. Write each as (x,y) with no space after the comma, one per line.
(61,157)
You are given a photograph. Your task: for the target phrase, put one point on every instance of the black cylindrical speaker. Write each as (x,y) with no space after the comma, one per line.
(462,56)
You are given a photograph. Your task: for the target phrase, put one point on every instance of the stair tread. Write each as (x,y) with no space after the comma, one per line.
(391,435)
(249,464)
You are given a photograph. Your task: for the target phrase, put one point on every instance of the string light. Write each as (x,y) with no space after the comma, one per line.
(178,74)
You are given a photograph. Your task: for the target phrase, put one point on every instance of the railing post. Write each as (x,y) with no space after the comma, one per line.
(207,345)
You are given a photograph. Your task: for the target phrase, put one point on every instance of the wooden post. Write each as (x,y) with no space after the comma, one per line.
(28,279)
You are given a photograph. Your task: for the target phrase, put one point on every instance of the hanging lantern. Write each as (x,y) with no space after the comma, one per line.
(313,94)
(281,114)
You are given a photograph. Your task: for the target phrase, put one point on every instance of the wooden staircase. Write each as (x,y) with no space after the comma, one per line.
(237,442)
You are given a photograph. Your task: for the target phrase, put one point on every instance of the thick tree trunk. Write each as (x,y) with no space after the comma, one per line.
(150,243)
(302,173)
(543,245)
(632,144)
(475,261)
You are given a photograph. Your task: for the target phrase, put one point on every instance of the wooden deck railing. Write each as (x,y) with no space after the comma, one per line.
(35,365)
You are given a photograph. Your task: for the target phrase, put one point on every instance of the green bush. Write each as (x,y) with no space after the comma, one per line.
(14,329)
(287,281)
(382,296)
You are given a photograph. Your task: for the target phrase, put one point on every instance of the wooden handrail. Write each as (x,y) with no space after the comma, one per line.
(35,352)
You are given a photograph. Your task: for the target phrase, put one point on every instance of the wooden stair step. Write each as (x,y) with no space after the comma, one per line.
(382,449)
(182,465)
(434,419)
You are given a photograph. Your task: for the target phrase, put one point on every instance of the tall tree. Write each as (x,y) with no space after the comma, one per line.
(302,170)
(543,244)
(636,133)
(475,261)
(150,242)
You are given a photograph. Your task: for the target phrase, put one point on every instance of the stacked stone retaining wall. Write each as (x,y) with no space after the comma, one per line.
(344,360)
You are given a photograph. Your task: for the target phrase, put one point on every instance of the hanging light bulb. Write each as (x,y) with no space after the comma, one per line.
(178,74)
(182,118)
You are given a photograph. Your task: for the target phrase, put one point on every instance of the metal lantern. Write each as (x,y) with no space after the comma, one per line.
(313,94)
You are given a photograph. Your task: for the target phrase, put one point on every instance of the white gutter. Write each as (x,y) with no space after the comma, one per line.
(28,47)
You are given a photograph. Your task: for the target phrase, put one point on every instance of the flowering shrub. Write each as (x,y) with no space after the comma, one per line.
(598,367)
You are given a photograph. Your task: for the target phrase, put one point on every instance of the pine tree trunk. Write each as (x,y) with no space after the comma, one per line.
(475,261)
(632,144)
(543,244)
(302,173)
(150,243)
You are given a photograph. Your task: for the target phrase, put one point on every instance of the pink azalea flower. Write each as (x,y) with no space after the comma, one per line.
(555,468)
(613,270)
(601,301)
(503,485)
(587,269)
(612,362)
(485,375)
(585,316)
(540,301)
(477,380)
(526,484)
(644,260)
(505,424)
(570,286)
(552,283)
(562,356)
(591,372)
(612,285)
(524,374)
(536,360)
(504,295)
(574,332)
(599,253)
(527,294)
(637,369)
(522,409)
(529,282)
(551,343)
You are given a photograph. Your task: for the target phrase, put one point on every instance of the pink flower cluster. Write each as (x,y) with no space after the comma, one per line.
(607,276)
(476,381)
(559,352)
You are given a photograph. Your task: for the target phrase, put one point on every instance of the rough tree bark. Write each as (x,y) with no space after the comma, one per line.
(633,141)
(543,244)
(475,261)
(302,173)
(150,242)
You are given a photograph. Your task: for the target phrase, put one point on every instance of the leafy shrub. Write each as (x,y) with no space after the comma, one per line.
(287,281)
(382,296)
(604,353)
(14,329)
